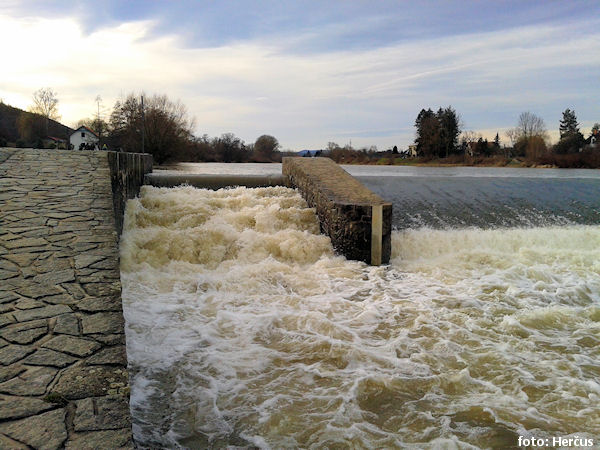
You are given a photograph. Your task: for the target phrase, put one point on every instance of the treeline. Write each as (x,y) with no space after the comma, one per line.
(153,124)
(437,136)
(157,125)
(164,129)
(440,139)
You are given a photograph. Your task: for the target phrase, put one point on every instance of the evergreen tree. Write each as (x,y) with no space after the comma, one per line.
(568,125)
(449,130)
(497,141)
(427,139)
(437,133)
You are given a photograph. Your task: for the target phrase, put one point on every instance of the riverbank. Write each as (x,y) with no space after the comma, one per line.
(584,160)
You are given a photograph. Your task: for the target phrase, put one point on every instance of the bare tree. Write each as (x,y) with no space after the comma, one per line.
(45,103)
(513,135)
(166,126)
(531,136)
(530,125)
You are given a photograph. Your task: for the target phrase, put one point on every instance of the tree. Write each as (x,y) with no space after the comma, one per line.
(568,124)
(166,128)
(428,133)
(264,147)
(126,124)
(45,103)
(530,125)
(449,130)
(513,135)
(571,140)
(31,127)
(530,136)
(482,147)
(497,141)
(437,133)
(98,126)
(230,148)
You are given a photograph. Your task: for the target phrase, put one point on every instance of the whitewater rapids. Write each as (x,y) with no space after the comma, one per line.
(244,328)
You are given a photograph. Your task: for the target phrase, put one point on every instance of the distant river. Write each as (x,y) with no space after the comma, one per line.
(245,328)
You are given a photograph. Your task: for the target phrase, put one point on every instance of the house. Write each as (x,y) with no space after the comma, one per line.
(84,138)
(412,151)
(593,139)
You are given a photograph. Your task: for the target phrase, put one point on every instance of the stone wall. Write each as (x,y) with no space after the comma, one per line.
(63,365)
(345,207)
(127,172)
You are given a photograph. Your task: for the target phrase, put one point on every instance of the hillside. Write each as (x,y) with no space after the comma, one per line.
(9,128)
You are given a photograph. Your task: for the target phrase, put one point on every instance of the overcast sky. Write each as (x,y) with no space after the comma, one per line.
(310,72)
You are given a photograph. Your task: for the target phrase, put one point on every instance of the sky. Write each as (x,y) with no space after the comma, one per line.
(310,72)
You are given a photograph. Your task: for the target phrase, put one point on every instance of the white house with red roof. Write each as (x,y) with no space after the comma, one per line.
(84,138)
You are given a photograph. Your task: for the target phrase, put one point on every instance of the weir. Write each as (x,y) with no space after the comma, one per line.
(208,181)
(357,220)
(63,362)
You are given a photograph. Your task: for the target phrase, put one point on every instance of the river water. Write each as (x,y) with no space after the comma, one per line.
(244,328)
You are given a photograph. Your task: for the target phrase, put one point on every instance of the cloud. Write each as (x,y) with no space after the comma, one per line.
(256,86)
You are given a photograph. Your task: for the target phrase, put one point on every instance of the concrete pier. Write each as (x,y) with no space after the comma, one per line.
(63,363)
(358,221)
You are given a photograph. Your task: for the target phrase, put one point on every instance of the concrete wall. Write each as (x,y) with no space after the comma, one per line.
(358,221)
(210,181)
(127,172)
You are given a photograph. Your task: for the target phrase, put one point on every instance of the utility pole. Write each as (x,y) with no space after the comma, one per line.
(98,123)
(143,124)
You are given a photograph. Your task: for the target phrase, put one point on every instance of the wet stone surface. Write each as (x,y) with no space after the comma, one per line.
(63,365)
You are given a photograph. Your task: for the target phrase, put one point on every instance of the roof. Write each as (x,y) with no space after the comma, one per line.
(85,128)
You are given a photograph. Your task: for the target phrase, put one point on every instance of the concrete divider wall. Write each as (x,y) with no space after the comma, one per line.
(357,220)
(127,172)
(211,181)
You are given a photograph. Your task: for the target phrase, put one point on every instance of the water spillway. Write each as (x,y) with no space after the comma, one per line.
(357,220)
(212,181)
(245,328)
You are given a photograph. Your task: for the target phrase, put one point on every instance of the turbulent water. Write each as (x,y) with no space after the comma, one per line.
(244,328)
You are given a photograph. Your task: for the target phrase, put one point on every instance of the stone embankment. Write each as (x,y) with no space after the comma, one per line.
(63,364)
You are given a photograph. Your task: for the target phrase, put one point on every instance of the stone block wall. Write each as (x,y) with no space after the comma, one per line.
(127,172)
(63,365)
(345,207)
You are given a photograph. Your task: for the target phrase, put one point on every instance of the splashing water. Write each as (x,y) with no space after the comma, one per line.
(244,328)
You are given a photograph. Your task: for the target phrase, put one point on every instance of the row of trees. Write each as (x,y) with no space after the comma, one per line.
(437,133)
(437,136)
(162,127)
(154,124)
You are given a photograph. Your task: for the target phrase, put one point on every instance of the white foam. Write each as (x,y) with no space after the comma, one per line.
(243,326)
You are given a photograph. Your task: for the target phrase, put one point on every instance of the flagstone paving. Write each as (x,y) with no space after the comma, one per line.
(63,365)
